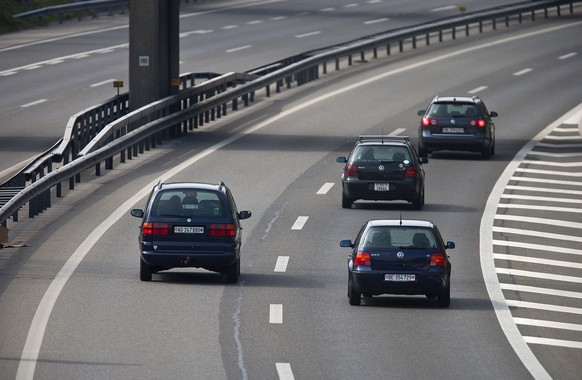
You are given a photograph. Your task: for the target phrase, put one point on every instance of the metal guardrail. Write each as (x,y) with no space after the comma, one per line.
(145,127)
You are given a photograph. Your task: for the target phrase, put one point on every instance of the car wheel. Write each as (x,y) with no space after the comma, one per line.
(232,272)
(145,271)
(486,153)
(444,298)
(493,148)
(353,294)
(346,201)
(418,201)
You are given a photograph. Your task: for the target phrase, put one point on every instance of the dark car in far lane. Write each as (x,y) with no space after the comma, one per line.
(458,123)
(190,224)
(395,256)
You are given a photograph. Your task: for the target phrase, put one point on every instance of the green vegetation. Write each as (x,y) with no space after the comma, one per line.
(8,8)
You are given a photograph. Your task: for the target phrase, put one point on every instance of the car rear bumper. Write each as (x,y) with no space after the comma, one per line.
(426,283)
(474,143)
(364,189)
(176,255)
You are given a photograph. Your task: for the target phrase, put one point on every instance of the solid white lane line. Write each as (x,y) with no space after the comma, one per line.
(281,264)
(239,48)
(308,34)
(534,289)
(544,221)
(549,324)
(543,199)
(552,342)
(522,72)
(275,313)
(566,56)
(537,247)
(33,103)
(542,275)
(478,89)
(539,234)
(102,83)
(325,188)
(299,223)
(536,260)
(33,67)
(284,371)
(540,208)
(7,73)
(379,20)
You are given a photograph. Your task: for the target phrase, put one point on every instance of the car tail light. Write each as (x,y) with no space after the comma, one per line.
(160,229)
(362,258)
(427,122)
(438,260)
(411,171)
(221,229)
(352,171)
(479,123)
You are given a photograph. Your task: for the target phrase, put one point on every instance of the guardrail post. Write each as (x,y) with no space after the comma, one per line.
(414,42)
(428,39)
(401,45)
(467,30)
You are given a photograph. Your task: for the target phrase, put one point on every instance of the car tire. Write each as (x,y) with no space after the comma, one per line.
(418,201)
(232,272)
(145,271)
(487,152)
(354,295)
(346,201)
(444,298)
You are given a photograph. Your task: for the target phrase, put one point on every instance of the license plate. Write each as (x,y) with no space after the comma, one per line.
(381,186)
(188,230)
(400,277)
(453,130)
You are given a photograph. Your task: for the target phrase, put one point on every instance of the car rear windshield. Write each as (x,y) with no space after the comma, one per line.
(453,109)
(401,237)
(384,153)
(187,202)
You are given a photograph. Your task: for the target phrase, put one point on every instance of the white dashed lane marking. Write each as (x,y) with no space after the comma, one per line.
(299,223)
(284,371)
(522,72)
(281,265)
(276,313)
(36,102)
(325,188)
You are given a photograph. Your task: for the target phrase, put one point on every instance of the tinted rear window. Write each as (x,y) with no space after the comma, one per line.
(188,203)
(399,236)
(453,109)
(385,153)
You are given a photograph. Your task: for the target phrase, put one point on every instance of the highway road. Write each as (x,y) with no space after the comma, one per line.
(289,316)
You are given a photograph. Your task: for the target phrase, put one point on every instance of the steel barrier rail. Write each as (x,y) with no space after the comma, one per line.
(302,71)
(77,7)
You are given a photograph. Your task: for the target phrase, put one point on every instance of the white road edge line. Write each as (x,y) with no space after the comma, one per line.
(29,358)
(517,341)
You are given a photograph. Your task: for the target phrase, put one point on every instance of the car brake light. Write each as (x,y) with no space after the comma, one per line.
(362,258)
(352,171)
(438,260)
(411,171)
(427,122)
(160,229)
(479,122)
(221,229)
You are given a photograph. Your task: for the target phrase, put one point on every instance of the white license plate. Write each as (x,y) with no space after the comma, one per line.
(381,186)
(400,277)
(188,230)
(453,130)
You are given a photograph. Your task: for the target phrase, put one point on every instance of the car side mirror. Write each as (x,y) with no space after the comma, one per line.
(424,160)
(450,245)
(421,112)
(341,160)
(137,212)
(493,114)
(346,244)
(244,214)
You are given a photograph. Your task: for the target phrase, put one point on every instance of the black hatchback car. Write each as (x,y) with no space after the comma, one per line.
(190,225)
(399,257)
(457,123)
(383,168)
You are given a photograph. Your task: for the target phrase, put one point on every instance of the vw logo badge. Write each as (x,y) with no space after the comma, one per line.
(188,220)
(452,121)
(400,255)
(381,168)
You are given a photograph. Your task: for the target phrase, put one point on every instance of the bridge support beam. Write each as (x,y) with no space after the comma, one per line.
(154,50)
